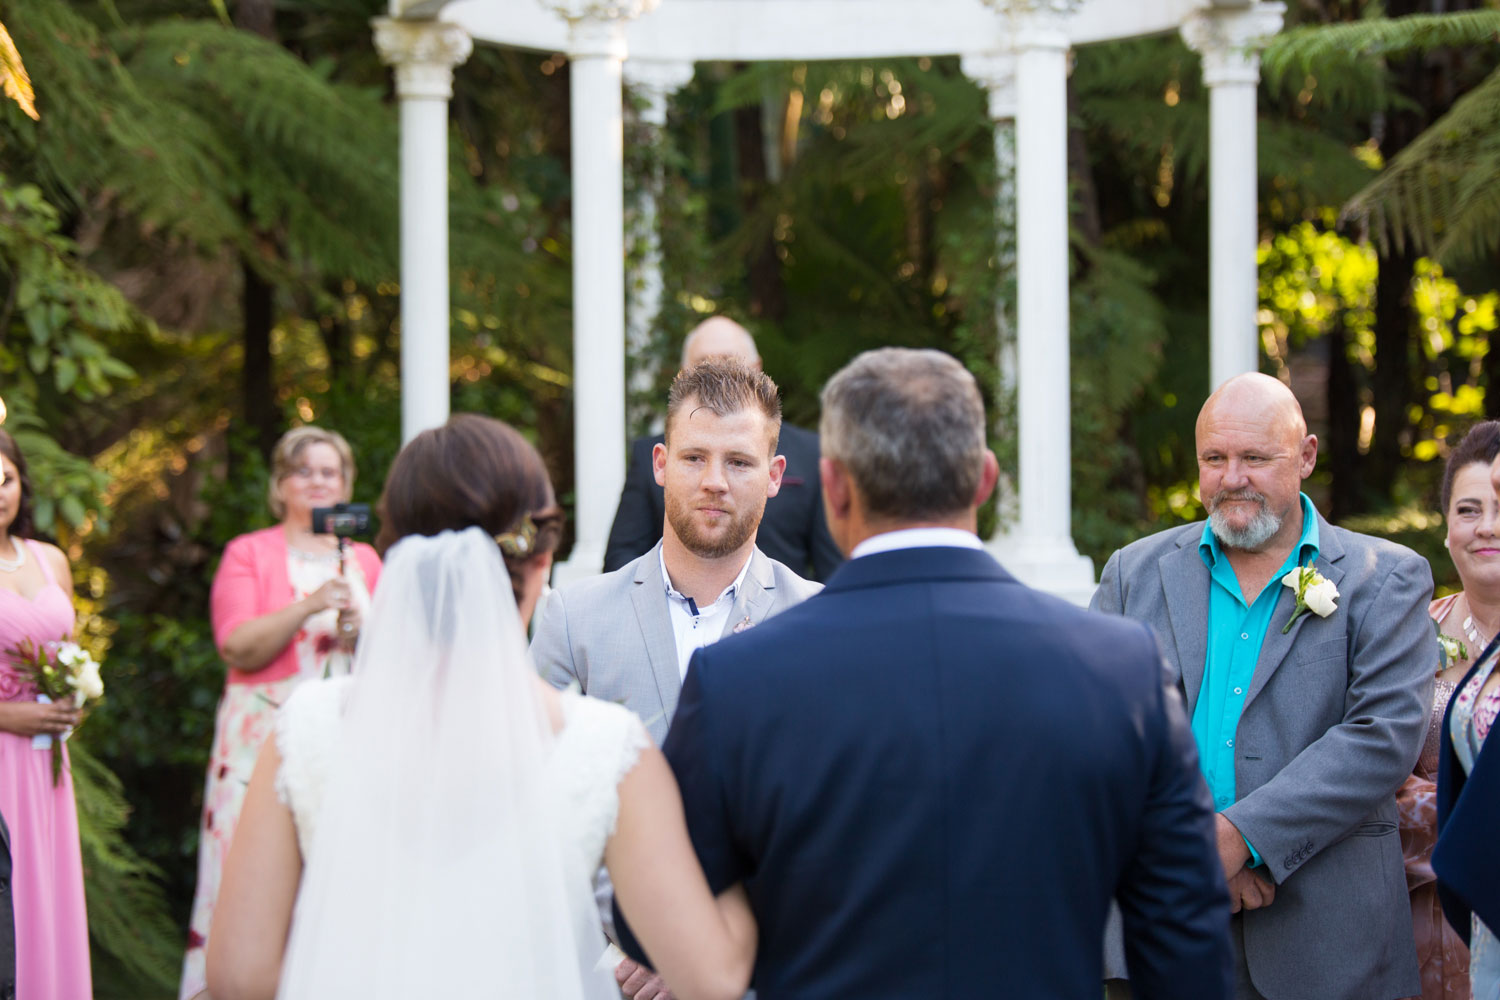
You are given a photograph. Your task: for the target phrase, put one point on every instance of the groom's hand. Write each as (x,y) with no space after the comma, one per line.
(639,983)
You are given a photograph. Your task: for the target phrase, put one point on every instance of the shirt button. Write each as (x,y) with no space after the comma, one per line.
(1229,743)
(1222,800)
(1244,635)
(1239,690)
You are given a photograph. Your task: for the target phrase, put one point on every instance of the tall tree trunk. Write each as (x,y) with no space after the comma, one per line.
(256,382)
(1347,493)
(257,296)
(1392,381)
(767,290)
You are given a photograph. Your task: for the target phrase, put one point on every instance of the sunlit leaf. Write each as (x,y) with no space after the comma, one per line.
(14,82)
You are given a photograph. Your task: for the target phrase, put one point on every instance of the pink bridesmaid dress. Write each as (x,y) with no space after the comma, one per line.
(52,932)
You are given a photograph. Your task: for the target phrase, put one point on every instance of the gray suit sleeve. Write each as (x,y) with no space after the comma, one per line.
(1110,594)
(1333,784)
(552,646)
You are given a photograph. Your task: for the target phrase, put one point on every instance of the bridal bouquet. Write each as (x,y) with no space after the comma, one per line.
(61,672)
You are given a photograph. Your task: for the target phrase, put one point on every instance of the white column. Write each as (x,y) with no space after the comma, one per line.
(596,55)
(653,82)
(1039,548)
(423,54)
(1229,42)
(996,73)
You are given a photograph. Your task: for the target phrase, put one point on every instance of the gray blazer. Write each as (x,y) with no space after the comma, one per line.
(612,634)
(1332,725)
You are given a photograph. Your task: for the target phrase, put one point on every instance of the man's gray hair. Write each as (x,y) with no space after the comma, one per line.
(909,427)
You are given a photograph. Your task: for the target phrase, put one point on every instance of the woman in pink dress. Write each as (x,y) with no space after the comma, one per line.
(283,612)
(36,604)
(1466,622)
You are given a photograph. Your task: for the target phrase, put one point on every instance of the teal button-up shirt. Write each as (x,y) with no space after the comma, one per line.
(1236,631)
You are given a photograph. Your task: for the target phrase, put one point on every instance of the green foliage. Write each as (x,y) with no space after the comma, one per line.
(136,947)
(55,324)
(1441,194)
(1119,326)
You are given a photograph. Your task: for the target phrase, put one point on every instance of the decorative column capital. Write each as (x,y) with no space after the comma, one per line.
(423,53)
(596,28)
(659,76)
(996,73)
(1038,24)
(1230,41)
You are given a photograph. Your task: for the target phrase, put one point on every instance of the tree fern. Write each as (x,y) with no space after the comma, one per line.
(1439,193)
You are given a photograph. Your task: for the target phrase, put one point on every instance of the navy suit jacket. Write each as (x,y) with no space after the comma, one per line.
(931,779)
(1464,859)
(793,531)
(7,920)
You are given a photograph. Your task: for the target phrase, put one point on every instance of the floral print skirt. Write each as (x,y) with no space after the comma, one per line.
(246,715)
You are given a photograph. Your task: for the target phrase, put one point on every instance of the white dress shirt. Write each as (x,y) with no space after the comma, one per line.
(917,538)
(696,625)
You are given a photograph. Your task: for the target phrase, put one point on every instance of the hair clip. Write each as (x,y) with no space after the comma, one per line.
(521,543)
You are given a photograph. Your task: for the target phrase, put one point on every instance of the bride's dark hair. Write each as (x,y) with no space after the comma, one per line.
(473,470)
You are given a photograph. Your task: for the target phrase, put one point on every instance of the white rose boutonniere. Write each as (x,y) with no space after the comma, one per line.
(1315,593)
(1450,650)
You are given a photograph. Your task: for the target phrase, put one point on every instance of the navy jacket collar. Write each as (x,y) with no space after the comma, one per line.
(917,565)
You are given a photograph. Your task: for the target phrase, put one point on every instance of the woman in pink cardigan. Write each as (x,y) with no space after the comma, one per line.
(282,614)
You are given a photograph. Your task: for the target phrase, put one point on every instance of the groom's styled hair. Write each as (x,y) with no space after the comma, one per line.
(908,425)
(724,385)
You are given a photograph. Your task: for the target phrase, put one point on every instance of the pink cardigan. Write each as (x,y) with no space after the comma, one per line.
(252,581)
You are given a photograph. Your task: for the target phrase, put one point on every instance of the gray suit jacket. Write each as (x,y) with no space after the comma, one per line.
(1332,725)
(612,634)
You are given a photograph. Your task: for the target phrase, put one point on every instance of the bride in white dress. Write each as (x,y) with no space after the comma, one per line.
(430,825)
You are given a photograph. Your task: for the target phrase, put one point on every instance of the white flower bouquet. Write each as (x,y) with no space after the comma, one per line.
(61,671)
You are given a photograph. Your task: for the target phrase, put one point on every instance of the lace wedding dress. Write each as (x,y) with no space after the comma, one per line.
(449,838)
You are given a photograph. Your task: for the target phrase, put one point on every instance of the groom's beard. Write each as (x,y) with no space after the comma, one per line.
(1262,525)
(710,543)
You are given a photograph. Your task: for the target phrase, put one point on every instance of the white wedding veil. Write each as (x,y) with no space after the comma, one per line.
(436,869)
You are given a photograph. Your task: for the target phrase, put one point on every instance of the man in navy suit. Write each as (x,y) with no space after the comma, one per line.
(930,778)
(7,921)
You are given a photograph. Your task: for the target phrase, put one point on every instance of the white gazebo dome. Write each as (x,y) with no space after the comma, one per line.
(1016,49)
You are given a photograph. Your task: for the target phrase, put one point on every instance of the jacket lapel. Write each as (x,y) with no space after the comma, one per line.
(1276,647)
(1184,584)
(756,595)
(649,596)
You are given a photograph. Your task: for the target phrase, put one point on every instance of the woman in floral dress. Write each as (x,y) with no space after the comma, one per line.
(282,613)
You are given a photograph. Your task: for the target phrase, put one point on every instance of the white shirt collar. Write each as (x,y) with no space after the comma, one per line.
(916,538)
(733,588)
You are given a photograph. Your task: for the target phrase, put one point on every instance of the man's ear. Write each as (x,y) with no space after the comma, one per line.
(778,469)
(659,464)
(1309,455)
(838,489)
(988,477)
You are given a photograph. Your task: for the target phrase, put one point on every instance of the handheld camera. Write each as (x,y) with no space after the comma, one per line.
(343,521)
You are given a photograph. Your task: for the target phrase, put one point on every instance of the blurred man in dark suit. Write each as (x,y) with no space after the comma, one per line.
(7,921)
(794,530)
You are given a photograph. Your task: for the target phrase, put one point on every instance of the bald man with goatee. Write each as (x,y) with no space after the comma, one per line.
(1306,659)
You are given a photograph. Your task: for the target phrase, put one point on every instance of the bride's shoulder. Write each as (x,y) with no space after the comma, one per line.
(309,715)
(314,699)
(607,730)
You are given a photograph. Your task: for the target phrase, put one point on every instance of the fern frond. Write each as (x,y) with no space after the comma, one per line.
(1346,60)
(128,918)
(1437,194)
